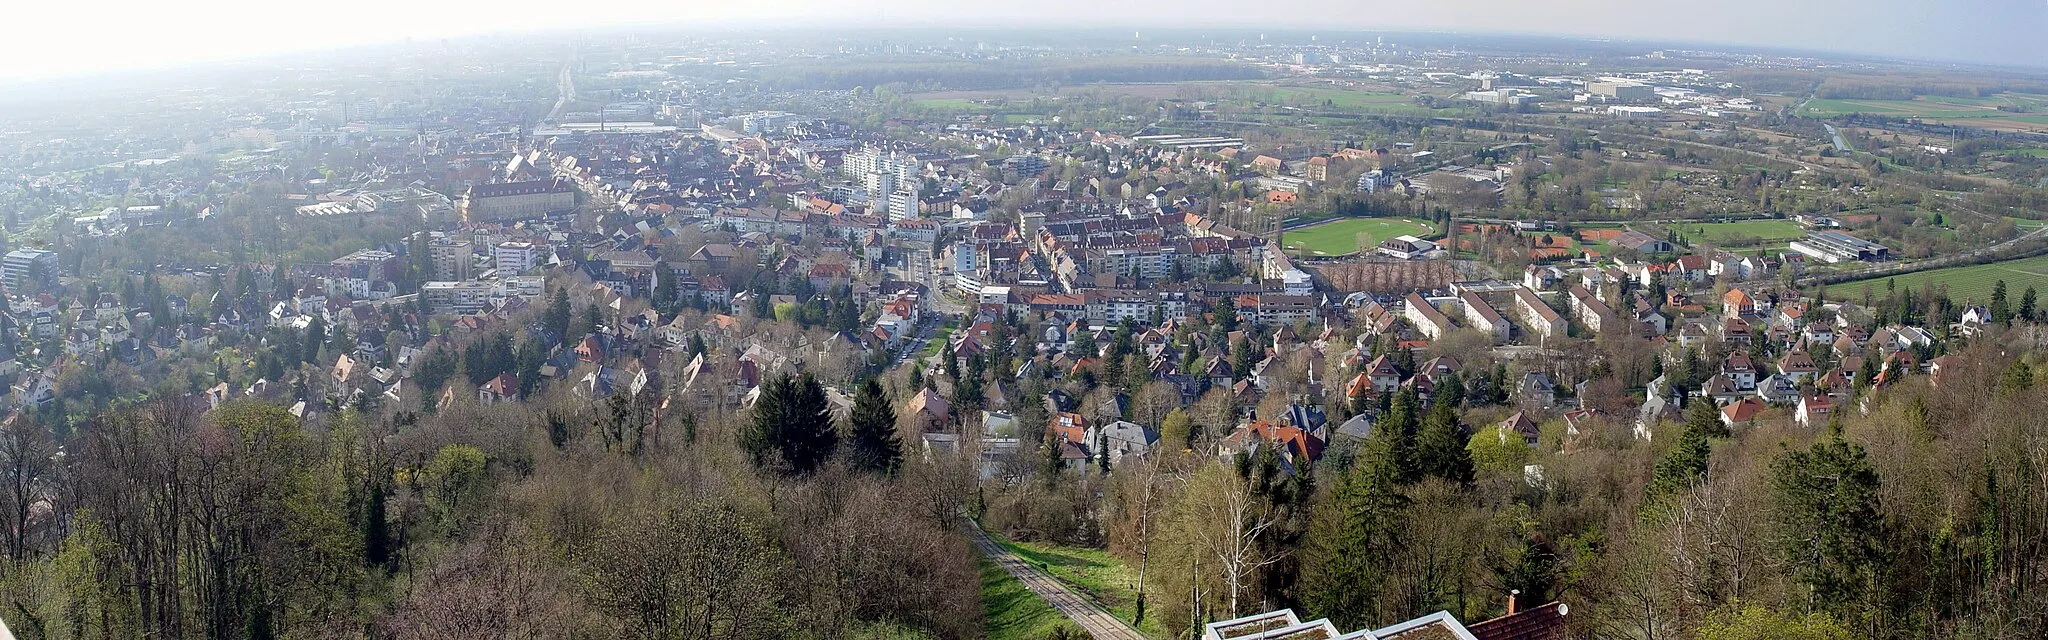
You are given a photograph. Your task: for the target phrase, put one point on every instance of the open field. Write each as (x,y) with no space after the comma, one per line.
(1325,98)
(958,104)
(1012,611)
(1921,108)
(1965,284)
(1340,237)
(966,98)
(1337,97)
(1967,111)
(1092,572)
(1767,231)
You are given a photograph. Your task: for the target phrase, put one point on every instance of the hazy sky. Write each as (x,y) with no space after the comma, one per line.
(40,38)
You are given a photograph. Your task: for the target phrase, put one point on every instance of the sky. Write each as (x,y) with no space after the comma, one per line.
(54,38)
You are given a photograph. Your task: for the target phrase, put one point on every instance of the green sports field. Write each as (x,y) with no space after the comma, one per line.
(1340,237)
(1768,231)
(1965,284)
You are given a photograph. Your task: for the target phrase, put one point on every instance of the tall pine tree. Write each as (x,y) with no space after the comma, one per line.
(792,425)
(1352,540)
(1678,470)
(1398,429)
(1440,448)
(1999,311)
(1832,529)
(872,431)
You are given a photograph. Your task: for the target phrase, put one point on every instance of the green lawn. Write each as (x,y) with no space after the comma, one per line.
(2032,151)
(1340,237)
(1965,284)
(1720,232)
(938,341)
(1093,572)
(1011,611)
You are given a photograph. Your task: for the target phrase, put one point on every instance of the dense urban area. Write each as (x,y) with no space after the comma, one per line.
(1025,336)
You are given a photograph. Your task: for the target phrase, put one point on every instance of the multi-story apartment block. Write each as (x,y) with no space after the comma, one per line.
(450,259)
(514,258)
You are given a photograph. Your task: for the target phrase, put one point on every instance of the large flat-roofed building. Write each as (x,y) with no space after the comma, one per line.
(1835,246)
(366,264)
(26,265)
(512,200)
(1503,97)
(513,258)
(457,297)
(451,259)
(1622,91)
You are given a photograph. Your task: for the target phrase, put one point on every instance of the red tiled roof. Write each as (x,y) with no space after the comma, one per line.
(1541,623)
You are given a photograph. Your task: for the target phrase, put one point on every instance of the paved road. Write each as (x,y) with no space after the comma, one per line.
(1098,623)
(565,93)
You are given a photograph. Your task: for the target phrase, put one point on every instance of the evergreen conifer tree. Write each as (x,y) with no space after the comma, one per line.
(1352,539)
(1440,447)
(872,430)
(791,424)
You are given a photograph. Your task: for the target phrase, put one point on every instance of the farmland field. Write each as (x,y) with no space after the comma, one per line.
(1341,98)
(1340,237)
(1720,232)
(1970,111)
(1825,108)
(1923,108)
(1965,284)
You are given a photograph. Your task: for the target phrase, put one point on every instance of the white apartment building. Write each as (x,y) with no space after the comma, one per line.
(459,297)
(513,258)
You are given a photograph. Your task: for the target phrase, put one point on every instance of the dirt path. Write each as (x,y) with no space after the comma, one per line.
(1098,623)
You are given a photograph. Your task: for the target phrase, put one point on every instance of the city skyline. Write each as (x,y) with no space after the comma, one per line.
(128,35)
